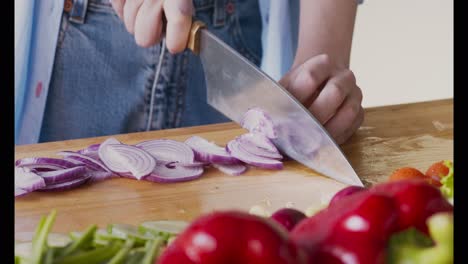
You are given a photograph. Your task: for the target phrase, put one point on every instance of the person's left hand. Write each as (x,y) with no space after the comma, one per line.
(330,93)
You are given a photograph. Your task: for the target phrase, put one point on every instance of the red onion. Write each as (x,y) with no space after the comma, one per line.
(46,163)
(126,158)
(257,120)
(259,145)
(173,164)
(231,169)
(72,160)
(128,175)
(27,180)
(93,149)
(168,150)
(96,176)
(64,175)
(206,151)
(90,162)
(162,173)
(236,151)
(66,185)
(20,192)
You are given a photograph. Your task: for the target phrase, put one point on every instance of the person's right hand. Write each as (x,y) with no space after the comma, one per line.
(144,19)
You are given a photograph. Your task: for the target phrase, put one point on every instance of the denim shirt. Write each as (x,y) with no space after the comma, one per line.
(37,32)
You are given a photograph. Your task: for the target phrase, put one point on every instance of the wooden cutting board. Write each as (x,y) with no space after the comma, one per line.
(391,137)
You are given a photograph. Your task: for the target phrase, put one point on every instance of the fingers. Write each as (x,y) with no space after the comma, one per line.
(118,7)
(148,23)
(348,118)
(333,95)
(346,135)
(179,22)
(144,19)
(306,80)
(130,11)
(330,93)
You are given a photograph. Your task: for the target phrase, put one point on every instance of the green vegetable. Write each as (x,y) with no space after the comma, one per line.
(83,242)
(49,256)
(171,239)
(413,247)
(135,256)
(152,250)
(118,244)
(124,231)
(39,243)
(122,254)
(75,235)
(94,256)
(56,240)
(447,183)
(166,227)
(38,228)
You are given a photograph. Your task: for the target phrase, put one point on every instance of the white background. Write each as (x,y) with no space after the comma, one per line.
(403,50)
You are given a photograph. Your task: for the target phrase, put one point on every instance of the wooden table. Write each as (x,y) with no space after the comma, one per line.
(391,137)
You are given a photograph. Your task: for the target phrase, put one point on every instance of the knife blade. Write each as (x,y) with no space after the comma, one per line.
(235,85)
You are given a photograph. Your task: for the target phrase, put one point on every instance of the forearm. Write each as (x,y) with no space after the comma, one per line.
(326,26)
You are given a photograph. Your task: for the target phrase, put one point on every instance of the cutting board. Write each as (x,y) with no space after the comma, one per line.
(391,137)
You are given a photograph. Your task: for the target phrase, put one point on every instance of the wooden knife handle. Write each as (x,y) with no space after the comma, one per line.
(194,38)
(193,42)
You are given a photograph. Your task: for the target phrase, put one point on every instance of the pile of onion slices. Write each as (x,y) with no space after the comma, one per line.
(159,160)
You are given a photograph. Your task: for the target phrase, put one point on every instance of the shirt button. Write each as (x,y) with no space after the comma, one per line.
(68,5)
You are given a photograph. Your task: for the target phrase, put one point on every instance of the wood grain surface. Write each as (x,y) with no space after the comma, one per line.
(415,135)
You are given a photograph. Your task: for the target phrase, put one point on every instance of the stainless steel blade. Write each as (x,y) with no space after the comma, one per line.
(235,85)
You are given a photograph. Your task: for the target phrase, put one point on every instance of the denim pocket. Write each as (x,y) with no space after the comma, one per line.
(236,22)
(103,6)
(251,52)
(246,28)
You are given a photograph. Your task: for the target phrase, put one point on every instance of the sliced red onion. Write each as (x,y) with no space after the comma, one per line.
(162,173)
(27,180)
(45,163)
(96,176)
(257,120)
(206,151)
(173,164)
(93,149)
(113,164)
(125,158)
(75,161)
(90,162)
(231,169)
(66,185)
(259,145)
(63,175)
(20,192)
(36,170)
(235,149)
(168,150)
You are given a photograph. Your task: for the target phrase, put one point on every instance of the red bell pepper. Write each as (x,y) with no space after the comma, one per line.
(233,237)
(353,230)
(417,200)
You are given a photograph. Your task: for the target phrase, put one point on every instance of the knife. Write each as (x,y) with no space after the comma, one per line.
(234,85)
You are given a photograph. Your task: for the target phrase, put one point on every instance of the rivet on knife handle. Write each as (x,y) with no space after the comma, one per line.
(194,38)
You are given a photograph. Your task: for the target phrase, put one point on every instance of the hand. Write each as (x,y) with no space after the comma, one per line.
(330,93)
(144,19)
